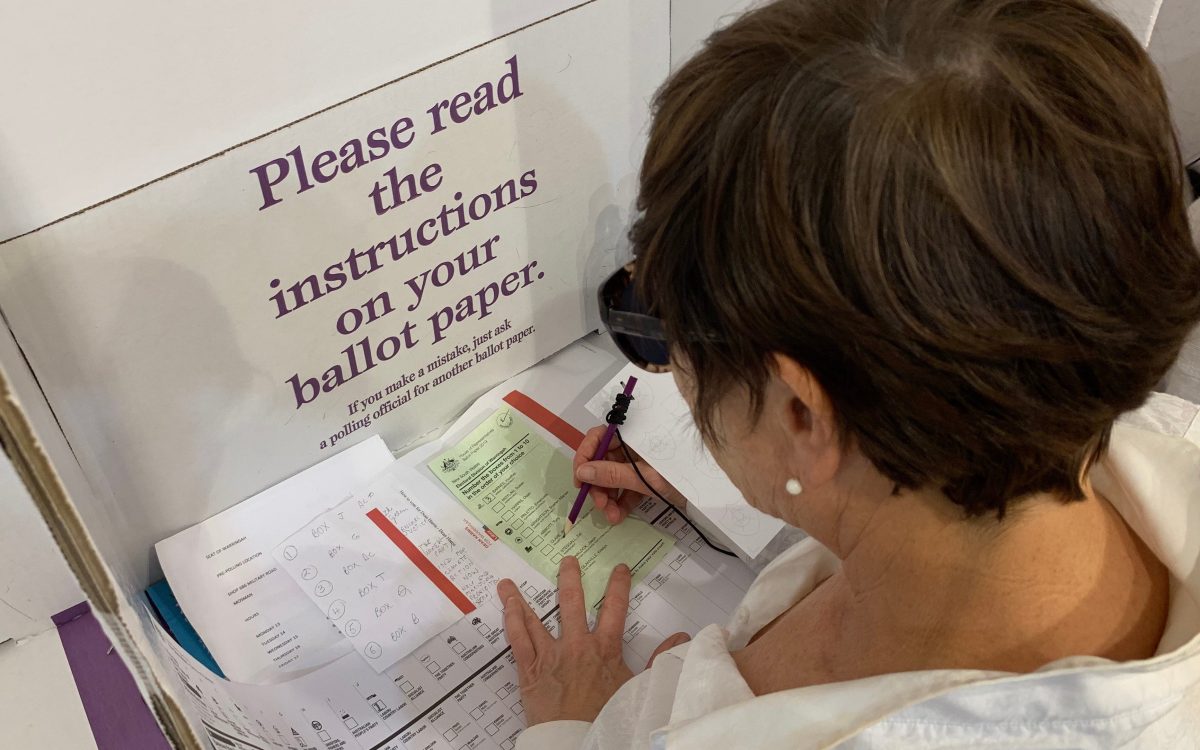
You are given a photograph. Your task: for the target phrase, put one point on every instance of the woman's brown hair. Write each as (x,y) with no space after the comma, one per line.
(965,217)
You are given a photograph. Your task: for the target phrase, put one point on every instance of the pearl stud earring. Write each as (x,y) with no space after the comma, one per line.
(793,487)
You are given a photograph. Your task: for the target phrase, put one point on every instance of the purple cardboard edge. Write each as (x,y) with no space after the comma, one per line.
(119,717)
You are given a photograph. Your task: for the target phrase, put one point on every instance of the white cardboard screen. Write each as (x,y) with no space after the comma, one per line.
(149,320)
(161,87)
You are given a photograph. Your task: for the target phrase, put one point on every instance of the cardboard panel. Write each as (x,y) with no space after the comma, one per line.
(184,383)
(35,582)
(694,20)
(30,439)
(132,90)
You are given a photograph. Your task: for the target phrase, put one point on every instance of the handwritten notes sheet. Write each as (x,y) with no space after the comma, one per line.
(256,623)
(372,581)
(521,487)
(659,427)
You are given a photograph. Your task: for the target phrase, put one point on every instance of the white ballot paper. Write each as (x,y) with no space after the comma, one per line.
(659,427)
(385,572)
(459,689)
(253,619)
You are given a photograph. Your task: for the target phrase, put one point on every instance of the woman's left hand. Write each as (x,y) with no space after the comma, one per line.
(574,675)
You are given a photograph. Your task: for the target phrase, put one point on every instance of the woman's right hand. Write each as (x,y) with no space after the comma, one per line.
(616,488)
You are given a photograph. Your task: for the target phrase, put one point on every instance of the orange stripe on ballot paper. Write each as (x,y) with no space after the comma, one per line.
(554,424)
(444,584)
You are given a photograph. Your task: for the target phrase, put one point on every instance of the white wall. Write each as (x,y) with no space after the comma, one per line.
(1138,15)
(99,98)
(1175,46)
(693,20)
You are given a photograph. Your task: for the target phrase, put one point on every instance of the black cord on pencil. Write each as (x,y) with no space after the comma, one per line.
(620,408)
(633,463)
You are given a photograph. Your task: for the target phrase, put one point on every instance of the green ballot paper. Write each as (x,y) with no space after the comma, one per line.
(520,487)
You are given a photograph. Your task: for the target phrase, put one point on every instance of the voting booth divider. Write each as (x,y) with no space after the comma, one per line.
(366,270)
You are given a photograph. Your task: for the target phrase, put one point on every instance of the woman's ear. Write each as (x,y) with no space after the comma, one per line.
(809,420)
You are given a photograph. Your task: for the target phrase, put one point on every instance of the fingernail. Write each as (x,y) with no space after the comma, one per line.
(623,568)
(510,602)
(586,473)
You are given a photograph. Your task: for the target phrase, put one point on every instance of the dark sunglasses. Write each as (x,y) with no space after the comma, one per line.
(639,335)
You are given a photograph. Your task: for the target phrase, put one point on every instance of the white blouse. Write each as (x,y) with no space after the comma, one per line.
(695,698)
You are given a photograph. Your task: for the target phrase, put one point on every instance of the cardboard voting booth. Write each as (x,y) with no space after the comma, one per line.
(368,269)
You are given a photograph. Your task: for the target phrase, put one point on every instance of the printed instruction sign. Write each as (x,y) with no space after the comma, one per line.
(368,269)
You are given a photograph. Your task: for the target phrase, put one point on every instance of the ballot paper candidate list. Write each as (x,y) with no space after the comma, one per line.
(520,485)
(460,688)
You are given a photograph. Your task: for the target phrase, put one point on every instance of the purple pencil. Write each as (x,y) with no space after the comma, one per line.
(601,452)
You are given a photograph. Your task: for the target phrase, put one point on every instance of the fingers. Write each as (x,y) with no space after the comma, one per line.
(571,607)
(587,449)
(617,488)
(514,627)
(603,496)
(611,621)
(609,474)
(671,642)
(530,627)
(618,504)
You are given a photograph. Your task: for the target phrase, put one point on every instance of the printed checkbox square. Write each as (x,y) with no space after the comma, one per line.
(476,713)
(635,603)
(508,514)
(458,647)
(681,532)
(492,729)
(530,590)
(433,667)
(507,745)
(694,546)
(628,636)
(483,628)
(537,542)
(450,734)
(548,550)
(406,686)
(518,709)
(675,564)
(502,693)
(518,524)
(655,583)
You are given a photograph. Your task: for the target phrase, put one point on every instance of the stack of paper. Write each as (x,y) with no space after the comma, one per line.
(392,582)
(257,624)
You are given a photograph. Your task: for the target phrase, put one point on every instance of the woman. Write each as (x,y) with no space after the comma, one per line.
(910,259)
